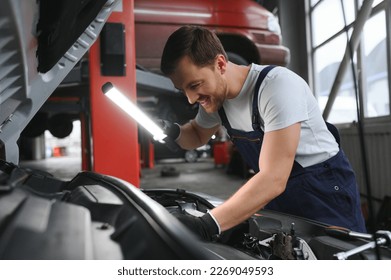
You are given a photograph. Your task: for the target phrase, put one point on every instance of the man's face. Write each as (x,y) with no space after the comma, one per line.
(205,85)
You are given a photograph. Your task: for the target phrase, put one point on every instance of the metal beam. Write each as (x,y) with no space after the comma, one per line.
(358,26)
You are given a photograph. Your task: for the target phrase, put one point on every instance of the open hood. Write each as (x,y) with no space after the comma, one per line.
(40,43)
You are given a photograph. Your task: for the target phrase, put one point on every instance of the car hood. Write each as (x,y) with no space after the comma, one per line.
(40,43)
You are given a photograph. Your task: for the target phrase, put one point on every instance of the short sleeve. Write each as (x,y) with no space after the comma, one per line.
(207,120)
(283,100)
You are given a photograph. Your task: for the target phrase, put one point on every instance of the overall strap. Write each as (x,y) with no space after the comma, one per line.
(223,118)
(255,119)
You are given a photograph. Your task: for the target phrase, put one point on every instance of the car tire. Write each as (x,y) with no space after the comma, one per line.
(191,156)
(236,58)
(60,125)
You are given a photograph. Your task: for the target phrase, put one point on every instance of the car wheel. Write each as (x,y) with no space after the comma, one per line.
(60,125)
(237,59)
(191,156)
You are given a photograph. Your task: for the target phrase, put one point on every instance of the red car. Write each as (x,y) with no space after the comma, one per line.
(248,32)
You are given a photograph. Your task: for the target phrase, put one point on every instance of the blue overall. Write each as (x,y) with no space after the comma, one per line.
(326,192)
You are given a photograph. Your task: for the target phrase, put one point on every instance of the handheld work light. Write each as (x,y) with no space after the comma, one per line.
(133,111)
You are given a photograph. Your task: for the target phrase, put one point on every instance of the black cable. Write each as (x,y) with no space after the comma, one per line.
(361,136)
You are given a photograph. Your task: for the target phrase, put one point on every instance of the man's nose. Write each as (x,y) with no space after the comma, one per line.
(192,97)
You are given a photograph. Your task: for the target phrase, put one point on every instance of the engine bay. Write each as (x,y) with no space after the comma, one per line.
(95,216)
(268,235)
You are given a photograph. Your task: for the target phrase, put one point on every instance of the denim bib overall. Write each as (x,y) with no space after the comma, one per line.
(326,192)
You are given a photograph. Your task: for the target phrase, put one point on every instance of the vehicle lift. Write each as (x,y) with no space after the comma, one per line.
(114,147)
(117,147)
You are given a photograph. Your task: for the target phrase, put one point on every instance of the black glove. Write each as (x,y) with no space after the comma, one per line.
(204,226)
(172,130)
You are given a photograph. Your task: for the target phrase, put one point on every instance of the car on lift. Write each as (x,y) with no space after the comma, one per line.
(98,216)
(247,30)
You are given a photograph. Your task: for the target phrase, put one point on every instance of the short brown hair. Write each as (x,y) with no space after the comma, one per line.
(199,44)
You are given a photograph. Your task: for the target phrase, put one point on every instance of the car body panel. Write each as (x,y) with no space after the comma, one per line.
(246,22)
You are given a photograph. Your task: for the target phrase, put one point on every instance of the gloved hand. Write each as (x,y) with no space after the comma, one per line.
(204,226)
(172,130)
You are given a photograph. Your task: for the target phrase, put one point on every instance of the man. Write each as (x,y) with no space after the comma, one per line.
(275,122)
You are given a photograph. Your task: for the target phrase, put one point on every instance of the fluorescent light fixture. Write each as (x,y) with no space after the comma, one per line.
(172,13)
(132,110)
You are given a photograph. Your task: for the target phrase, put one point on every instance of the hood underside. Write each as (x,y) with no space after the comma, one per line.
(40,43)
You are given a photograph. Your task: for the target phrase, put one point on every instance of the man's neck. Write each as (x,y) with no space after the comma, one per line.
(236,76)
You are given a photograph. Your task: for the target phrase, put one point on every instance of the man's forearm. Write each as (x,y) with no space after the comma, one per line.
(188,138)
(275,164)
(192,136)
(250,198)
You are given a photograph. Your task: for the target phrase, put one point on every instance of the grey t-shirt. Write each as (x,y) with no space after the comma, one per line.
(284,99)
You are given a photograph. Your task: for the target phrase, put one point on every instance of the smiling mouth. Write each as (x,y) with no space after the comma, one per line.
(204,101)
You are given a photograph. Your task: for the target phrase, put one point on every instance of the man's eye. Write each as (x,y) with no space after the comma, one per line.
(194,86)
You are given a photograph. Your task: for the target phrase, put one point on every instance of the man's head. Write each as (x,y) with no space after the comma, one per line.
(199,44)
(196,62)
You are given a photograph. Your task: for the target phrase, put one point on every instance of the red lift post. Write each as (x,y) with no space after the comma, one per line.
(115,148)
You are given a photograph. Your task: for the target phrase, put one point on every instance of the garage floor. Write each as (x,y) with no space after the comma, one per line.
(201,176)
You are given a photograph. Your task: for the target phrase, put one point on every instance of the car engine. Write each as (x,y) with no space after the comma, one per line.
(95,216)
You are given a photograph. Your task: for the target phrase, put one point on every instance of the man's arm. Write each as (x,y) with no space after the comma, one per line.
(275,164)
(193,136)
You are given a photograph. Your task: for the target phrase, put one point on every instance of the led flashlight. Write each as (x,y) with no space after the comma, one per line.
(133,111)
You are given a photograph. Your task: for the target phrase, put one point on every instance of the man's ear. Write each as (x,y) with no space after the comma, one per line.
(221,63)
